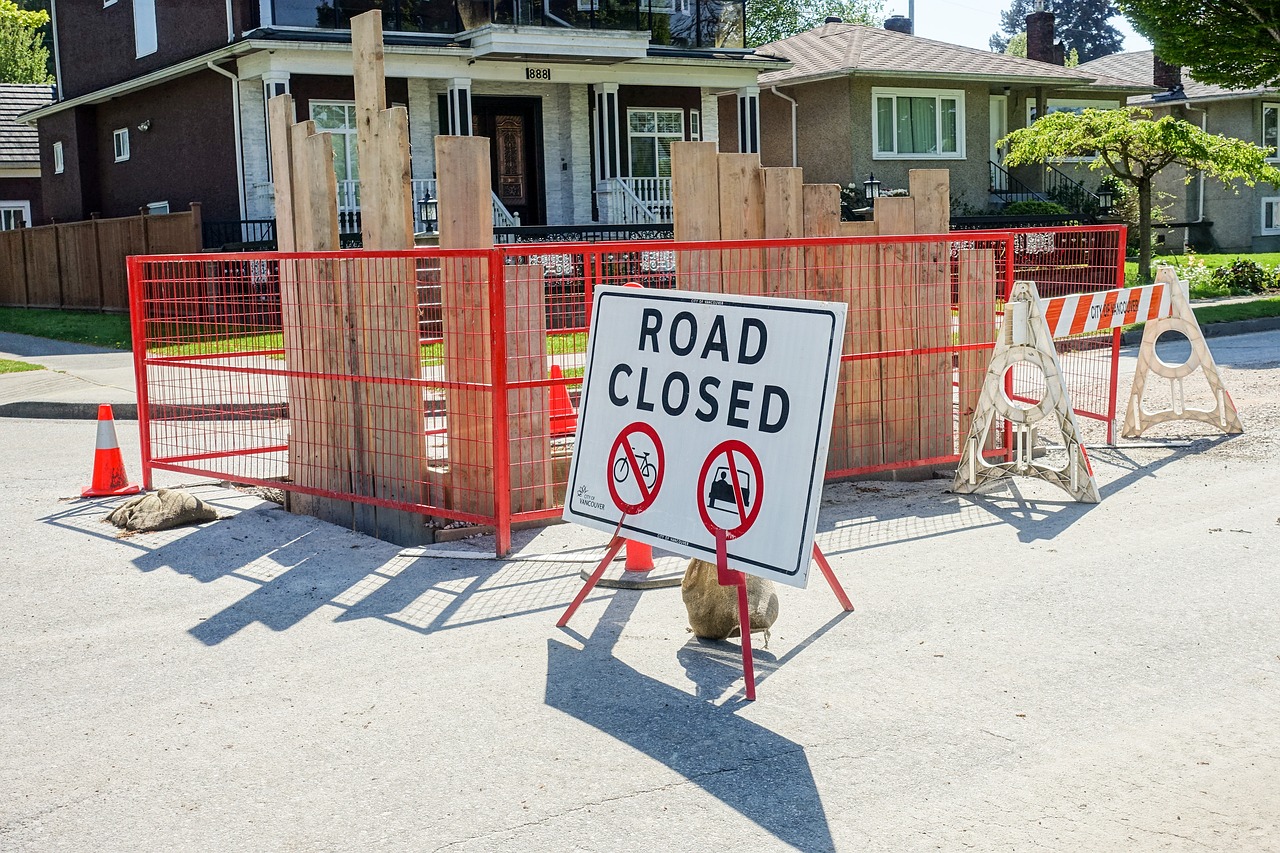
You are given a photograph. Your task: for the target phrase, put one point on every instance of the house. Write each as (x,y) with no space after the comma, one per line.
(860,100)
(20,203)
(162,102)
(1205,213)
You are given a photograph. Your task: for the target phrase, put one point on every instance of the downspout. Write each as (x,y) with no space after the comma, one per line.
(795,160)
(231,24)
(57,52)
(235,117)
(1204,126)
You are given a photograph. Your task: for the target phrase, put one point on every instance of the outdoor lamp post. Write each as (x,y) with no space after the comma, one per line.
(1104,199)
(871,189)
(428,212)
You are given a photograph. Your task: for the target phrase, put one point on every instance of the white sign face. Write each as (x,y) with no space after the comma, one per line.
(703,412)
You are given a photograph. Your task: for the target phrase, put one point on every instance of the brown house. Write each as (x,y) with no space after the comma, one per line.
(20,203)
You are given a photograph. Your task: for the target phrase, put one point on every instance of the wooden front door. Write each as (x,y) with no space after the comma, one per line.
(514,127)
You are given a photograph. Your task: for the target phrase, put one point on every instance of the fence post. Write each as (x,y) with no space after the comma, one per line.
(97,254)
(138,331)
(197,228)
(501,427)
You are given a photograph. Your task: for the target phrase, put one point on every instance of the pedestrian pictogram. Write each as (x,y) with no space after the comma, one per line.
(730,489)
(636,464)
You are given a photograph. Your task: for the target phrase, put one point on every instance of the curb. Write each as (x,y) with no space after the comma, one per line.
(52,410)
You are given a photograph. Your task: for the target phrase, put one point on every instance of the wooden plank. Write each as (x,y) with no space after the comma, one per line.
(466,222)
(13,269)
(977,288)
(117,239)
(784,219)
(279,124)
(860,268)
(742,217)
(901,400)
(931,189)
(695,213)
(858,229)
(528,409)
(825,279)
(78,259)
(43,280)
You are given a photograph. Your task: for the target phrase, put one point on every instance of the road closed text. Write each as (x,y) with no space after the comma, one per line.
(739,403)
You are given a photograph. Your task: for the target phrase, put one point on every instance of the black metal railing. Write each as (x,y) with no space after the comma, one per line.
(589,233)
(235,235)
(1070,193)
(1008,188)
(984,223)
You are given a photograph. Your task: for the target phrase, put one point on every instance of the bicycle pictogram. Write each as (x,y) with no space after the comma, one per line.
(636,464)
(648,471)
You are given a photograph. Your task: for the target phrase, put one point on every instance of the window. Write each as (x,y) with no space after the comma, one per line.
(156,208)
(106,3)
(1062,105)
(14,214)
(695,126)
(120,139)
(1271,215)
(145,38)
(918,123)
(1271,129)
(59,162)
(651,133)
(339,119)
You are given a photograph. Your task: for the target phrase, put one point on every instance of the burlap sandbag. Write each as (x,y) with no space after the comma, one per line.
(713,609)
(161,510)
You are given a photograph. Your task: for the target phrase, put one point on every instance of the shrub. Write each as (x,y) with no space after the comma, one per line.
(1244,276)
(1034,208)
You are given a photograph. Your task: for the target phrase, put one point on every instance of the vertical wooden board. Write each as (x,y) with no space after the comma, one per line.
(931,190)
(171,234)
(117,239)
(784,219)
(864,376)
(466,222)
(824,278)
(41,249)
(695,213)
(78,260)
(528,409)
(896,216)
(13,268)
(977,288)
(279,124)
(858,229)
(742,217)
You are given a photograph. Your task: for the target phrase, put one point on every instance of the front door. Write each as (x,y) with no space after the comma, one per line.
(514,128)
(999,129)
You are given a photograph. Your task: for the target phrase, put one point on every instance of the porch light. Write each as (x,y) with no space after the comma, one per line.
(871,189)
(1105,199)
(428,212)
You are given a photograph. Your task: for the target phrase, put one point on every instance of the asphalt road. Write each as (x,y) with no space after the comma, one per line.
(1022,673)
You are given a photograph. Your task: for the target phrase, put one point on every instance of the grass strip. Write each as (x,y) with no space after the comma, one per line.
(1230,312)
(81,327)
(11,366)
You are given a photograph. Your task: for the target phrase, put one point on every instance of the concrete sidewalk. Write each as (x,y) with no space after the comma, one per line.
(75,380)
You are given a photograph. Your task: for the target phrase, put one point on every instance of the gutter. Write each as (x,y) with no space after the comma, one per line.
(795,154)
(235,117)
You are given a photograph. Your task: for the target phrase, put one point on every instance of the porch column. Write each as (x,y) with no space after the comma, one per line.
(607,152)
(459,96)
(273,83)
(749,120)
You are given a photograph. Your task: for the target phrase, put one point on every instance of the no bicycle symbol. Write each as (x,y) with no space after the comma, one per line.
(636,466)
(730,489)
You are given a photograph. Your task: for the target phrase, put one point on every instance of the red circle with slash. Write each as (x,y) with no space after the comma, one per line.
(729,485)
(645,473)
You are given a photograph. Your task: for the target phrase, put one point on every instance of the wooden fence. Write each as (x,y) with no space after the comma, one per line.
(82,264)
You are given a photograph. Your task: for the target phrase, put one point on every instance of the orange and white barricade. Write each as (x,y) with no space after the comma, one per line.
(1025,337)
(1177,317)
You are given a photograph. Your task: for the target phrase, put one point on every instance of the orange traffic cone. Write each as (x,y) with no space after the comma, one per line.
(564,420)
(108,465)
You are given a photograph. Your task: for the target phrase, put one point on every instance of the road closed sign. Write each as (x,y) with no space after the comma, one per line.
(705,413)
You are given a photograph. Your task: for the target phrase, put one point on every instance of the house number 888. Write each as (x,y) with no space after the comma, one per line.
(537,74)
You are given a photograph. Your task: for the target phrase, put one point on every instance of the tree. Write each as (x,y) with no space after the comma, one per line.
(1017,46)
(23,56)
(1129,144)
(1234,44)
(1081,25)
(771,20)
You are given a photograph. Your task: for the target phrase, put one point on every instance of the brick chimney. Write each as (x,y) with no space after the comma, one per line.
(1040,44)
(1164,75)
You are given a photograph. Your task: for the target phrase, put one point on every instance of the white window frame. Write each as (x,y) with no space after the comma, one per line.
(938,95)
(157,208)
(655,135)
(1274,108)
(1273,201)
(106,3)
(120,143)
(146,36)
(24,206)
(1060,104)
(59,159)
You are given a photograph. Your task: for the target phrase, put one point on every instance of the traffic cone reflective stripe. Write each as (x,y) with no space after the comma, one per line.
(109,477)
(564,420)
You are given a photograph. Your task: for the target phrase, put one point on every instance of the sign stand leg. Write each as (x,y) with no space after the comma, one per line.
(615,545)
(832,581)
(729,577)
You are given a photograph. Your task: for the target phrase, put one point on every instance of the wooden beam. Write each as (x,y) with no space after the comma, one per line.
(898,322)
(931,190)
(695,213)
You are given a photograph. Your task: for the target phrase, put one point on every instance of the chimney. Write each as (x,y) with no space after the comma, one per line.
(1040,44)
(1164,75)
(898,24)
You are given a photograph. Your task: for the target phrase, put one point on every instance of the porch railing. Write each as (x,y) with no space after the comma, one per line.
(349,206)
(636,201)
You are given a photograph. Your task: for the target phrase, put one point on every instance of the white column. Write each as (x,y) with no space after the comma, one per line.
(749,120)
(608,152)
(710,116)
(273,83)
(459,95)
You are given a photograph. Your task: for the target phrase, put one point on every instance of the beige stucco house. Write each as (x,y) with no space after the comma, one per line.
(859,100)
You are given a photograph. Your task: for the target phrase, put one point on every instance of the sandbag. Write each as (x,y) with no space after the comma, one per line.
(161,510)
(713,609)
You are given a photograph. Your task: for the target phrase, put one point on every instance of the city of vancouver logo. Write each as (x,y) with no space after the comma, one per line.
(585,498)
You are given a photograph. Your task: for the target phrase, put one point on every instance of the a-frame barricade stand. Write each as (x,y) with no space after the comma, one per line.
(727,577)
(1181,319)
(1025,337)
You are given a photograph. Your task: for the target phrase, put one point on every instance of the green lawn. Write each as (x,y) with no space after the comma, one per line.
(81,327)
(10,366)
(1199,287)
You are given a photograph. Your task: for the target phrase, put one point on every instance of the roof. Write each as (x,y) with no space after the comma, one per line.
(1138,65)
(832,50)
(19,142)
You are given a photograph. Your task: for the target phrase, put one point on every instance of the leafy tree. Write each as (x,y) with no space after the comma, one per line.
(1234,44)
(23,55)
(771,20)
(1081,25)
(1017,46)
(1129,144)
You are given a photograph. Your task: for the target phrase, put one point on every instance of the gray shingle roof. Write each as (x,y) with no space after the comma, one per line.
(836,49)
(18,142)
(1137,65)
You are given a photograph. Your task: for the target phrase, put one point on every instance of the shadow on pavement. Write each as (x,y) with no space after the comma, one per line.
(758,773)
